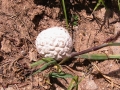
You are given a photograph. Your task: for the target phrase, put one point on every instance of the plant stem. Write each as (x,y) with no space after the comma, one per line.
(94,49)
(89,50)
(98,56)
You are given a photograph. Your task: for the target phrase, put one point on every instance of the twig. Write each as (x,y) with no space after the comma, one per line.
(89,50)
(106,43)
(94,49)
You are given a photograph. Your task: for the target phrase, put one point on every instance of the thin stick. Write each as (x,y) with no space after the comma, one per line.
(94,49)
(88,50)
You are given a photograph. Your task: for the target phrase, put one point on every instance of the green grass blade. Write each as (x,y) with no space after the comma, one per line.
(103,3)
(60,75)
(114,56)
(119,4)
(98,4)
(40,62)
(113,44)
(65,14)
(45,66)
(75,54)
(98,56)
(73,83)
(92,49)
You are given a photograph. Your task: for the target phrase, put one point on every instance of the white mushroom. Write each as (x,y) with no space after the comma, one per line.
(54,42)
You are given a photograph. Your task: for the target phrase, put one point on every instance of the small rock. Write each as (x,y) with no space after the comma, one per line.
(91,85)
(6,46)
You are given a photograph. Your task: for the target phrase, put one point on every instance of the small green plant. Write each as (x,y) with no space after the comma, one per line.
(74,20)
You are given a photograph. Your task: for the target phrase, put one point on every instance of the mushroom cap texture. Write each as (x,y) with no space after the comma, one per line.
(54,42)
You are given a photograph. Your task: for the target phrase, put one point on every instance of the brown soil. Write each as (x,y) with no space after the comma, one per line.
(22,20)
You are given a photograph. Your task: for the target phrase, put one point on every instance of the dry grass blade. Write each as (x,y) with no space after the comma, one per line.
(107,78)
(113,83)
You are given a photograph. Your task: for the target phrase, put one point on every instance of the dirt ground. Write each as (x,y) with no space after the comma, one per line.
(22,20)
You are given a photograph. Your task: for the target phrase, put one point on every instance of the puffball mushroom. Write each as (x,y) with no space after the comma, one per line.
(54,42)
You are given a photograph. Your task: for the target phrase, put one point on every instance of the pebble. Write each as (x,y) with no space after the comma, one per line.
(91,85)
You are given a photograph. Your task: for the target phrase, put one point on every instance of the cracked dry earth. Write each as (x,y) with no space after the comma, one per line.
(20,23)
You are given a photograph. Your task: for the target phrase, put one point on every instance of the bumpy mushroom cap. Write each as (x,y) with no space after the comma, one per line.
(54,42)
